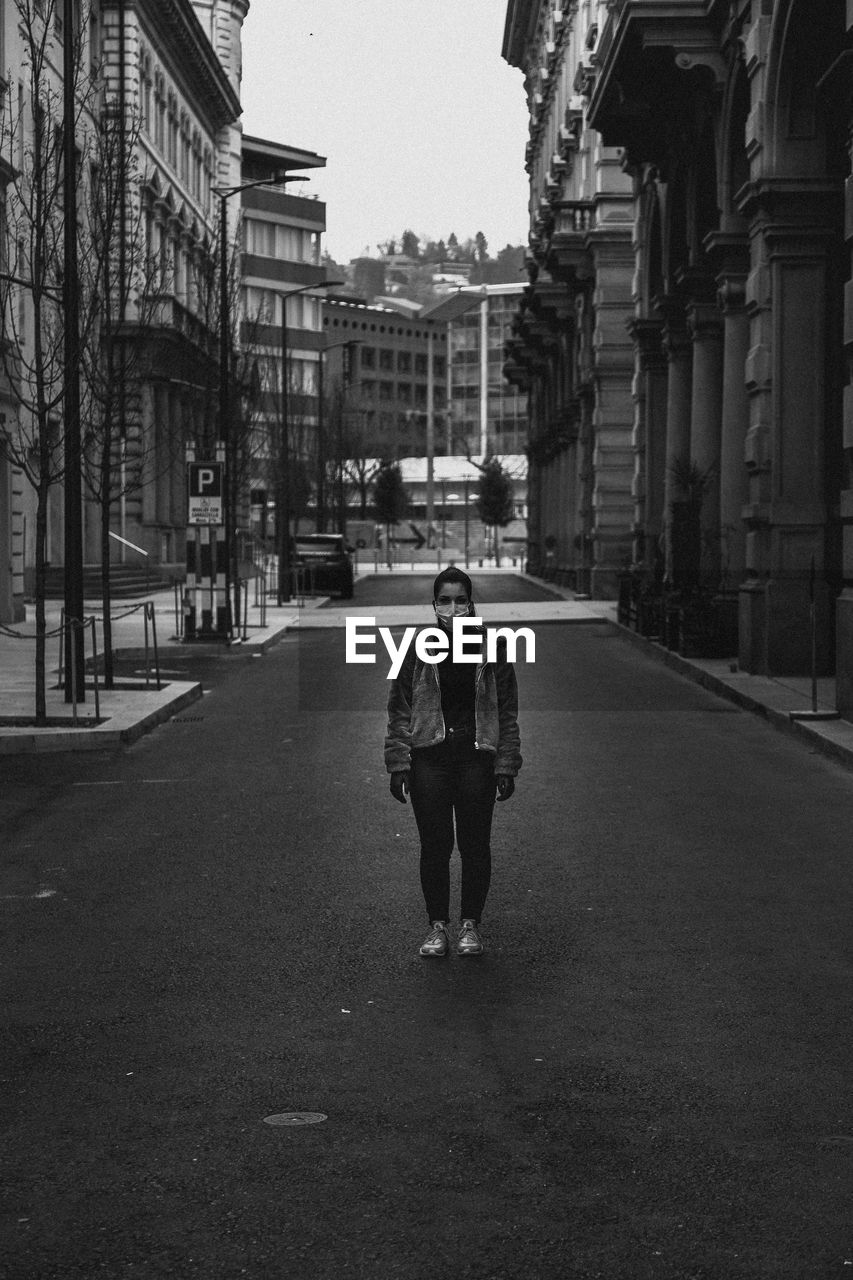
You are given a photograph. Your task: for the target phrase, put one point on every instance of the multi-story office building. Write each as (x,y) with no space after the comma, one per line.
(282,288)
(389,372)
(484,412)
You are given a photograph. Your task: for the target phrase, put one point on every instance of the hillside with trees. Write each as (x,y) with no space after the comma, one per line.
(418,259)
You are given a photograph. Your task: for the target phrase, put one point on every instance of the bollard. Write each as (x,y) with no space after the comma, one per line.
(154,640)
(95,669)
(74,671)
(145,618)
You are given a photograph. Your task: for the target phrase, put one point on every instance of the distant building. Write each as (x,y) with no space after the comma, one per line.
(383,370)
(281,255)
(484,412)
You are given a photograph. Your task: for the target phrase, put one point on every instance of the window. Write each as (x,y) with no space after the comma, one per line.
(196,165)
(386,391)
(368,357)
(421,365)
(386,360)
(185,149)
(404,362)
(172,137)
(159,112)
(145,89)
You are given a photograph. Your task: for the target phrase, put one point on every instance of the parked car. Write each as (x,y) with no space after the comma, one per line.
(325,560)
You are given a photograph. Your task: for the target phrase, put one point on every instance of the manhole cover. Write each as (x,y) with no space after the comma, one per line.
(296,1117)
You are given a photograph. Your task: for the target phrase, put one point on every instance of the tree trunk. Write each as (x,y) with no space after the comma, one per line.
(106,588)
(41,629)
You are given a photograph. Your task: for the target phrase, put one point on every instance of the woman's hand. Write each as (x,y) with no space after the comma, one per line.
(400,785)
(505,784)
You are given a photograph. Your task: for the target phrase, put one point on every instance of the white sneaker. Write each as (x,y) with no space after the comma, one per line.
(436,943)
(469,942)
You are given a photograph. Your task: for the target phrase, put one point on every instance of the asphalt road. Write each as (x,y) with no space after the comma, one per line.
(405,587)
(646,1076)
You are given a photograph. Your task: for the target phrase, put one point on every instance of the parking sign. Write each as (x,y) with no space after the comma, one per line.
(204,488)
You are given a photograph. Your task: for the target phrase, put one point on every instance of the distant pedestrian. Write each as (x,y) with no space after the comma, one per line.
(453,744)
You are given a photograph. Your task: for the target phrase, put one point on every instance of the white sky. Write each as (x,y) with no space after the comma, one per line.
(421,121)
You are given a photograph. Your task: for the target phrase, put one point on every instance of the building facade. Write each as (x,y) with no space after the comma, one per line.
(282,322)
(160,129)
(570,349)
(735,123)
(176,68)
(484,412)
(391,370)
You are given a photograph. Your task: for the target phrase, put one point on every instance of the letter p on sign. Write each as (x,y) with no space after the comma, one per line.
(204,492)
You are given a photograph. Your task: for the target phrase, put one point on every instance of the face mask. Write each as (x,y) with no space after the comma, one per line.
(453,610)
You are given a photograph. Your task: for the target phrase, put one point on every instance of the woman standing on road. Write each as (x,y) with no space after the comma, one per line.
(453,745)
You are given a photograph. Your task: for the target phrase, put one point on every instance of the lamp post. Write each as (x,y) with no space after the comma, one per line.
(226,432)
(282,491)
(321,460)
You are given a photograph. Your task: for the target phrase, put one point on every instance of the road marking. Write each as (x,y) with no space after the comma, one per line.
(123,782)
(295,1118)
(28,897)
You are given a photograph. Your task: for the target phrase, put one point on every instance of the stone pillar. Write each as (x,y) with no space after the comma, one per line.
(613,416)
(786,376)
(679,354)
(650,392)
(844,604)
(735,423)
(706,413)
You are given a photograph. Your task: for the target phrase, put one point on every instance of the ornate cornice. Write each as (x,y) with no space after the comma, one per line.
(182,39)
(645,43)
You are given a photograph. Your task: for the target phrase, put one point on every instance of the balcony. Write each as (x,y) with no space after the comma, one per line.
(566,248)
(167,313)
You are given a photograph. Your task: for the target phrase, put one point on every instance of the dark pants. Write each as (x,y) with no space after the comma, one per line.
(454,778)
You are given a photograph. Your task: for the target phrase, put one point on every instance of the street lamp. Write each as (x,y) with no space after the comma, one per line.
(225,427)
(349,343)
(282,497)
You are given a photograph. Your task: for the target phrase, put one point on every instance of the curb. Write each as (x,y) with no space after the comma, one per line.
(99,736)
(820,739)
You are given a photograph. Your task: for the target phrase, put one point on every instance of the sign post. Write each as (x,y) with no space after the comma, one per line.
(206,603)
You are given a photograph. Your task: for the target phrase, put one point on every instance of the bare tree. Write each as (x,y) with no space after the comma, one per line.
(118,272)
(32,347)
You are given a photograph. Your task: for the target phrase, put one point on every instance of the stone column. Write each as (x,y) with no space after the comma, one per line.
(706,413)
(786,443)
(650,392)
(679,354)
(612,252)
(735,423)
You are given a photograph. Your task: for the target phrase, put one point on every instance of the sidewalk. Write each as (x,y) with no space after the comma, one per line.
(135,705)
(132,708)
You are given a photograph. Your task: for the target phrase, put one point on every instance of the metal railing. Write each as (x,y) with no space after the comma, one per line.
(76,627)
(140,551)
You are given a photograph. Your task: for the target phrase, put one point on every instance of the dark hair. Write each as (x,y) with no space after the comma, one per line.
(452,574)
